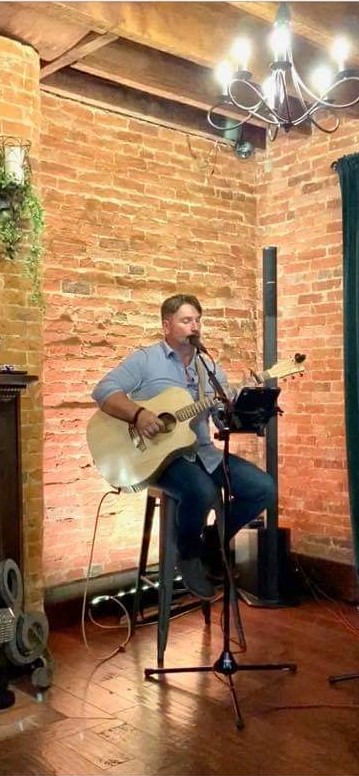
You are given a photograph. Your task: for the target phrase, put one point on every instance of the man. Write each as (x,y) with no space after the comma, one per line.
(194,479)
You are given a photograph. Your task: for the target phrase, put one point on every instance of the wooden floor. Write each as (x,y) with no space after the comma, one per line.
(110,720)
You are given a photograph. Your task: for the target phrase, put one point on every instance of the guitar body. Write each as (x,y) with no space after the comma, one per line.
(130,462)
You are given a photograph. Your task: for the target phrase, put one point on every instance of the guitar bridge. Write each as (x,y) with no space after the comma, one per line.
(137,439)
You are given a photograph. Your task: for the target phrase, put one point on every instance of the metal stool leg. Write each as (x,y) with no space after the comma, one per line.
(146,536)
(167,565)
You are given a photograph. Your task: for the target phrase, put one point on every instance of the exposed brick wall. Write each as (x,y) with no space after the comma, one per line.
(299,210)
(135,213)
(20,321)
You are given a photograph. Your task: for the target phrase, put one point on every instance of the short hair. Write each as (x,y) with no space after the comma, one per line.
(173,303)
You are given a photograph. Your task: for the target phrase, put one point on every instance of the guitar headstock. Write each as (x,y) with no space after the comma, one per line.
(287,367)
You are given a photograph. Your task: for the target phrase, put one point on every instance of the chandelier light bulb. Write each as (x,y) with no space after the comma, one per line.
(322,78)
(223,75)
(340,52)
(280,40)
(240,53)
(268,90)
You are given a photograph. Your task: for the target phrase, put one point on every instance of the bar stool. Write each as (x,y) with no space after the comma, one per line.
(167,565)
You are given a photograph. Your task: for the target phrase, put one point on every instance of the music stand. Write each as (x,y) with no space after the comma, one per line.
(258,407)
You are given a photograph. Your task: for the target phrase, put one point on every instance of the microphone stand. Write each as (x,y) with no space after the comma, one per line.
(226,663)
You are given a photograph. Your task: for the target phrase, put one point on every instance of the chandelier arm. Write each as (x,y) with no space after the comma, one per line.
(285,92)
(253,111)
(324,102)
(307,114)
(220,127)
(307,111)
(278,119)
(250,108)
(273,134)
(299,85)
(324,129)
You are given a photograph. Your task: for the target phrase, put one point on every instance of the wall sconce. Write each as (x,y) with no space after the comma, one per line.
(14,155)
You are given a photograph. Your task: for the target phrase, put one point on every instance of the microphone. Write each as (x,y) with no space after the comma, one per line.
(194,340)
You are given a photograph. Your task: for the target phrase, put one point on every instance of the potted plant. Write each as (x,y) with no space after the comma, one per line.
(21,213)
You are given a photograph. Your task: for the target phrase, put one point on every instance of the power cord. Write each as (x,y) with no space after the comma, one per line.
(121,647)
(318,594)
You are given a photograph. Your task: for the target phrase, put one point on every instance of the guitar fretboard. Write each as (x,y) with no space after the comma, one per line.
(191,410)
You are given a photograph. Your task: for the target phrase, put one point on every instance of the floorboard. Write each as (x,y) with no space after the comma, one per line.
(108,719)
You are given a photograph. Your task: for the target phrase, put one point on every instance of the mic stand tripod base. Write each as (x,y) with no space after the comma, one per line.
(226,663)
(228,666)
(342,678)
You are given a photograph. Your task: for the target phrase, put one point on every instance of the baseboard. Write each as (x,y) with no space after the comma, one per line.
(63,603)
(336,580)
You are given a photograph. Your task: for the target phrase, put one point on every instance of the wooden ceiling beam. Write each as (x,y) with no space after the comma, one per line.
(203,31)
(92,42)
(119,99)
(179,28)
(148,70)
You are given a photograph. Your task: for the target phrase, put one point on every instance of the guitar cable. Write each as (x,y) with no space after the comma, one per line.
(121,647)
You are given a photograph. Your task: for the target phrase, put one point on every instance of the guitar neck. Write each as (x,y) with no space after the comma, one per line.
(281,369)
(191,410)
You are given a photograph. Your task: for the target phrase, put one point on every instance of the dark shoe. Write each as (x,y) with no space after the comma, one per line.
(212,553)
(195,579)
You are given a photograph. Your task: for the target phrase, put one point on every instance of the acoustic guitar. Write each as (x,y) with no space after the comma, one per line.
(131,462)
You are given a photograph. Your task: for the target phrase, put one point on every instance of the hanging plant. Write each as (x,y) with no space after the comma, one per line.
(21,213)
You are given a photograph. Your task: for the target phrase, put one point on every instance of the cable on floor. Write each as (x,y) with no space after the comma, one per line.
(120,647)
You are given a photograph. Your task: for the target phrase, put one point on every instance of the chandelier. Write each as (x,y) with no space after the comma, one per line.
(283,100)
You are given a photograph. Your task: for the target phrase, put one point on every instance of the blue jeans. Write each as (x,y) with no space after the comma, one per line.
(197,491)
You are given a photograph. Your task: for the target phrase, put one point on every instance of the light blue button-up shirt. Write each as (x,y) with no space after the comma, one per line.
(149,371)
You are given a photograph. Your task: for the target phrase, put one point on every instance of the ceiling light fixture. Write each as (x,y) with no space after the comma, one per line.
(283,100)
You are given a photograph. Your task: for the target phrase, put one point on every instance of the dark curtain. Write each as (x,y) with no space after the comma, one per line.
(348,171)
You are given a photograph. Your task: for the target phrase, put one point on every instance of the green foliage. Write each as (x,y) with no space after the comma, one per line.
(21,226)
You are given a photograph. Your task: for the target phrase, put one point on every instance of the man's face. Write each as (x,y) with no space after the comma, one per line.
(182,324)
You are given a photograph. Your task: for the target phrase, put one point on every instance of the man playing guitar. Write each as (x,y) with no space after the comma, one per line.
(193,476)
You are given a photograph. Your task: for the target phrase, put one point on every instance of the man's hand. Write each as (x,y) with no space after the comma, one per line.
(148,424)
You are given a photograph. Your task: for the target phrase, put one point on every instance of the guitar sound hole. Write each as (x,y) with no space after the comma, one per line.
(169,421)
